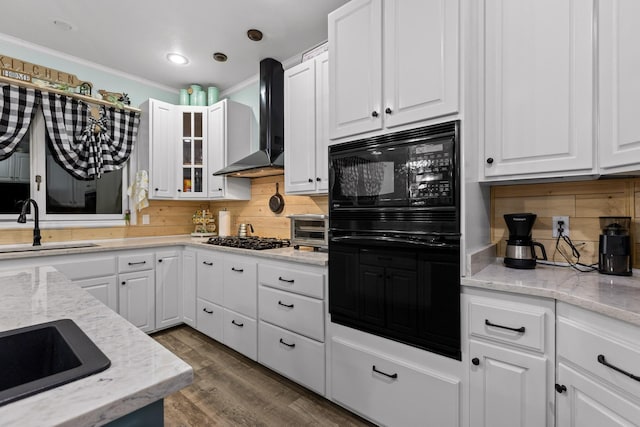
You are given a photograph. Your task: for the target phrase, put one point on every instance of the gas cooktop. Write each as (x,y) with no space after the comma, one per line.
(255,243)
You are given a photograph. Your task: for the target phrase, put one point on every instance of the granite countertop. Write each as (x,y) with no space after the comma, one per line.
(305,255)
(614,296)
(141,372)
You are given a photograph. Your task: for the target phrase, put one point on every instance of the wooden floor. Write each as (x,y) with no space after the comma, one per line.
(231,390)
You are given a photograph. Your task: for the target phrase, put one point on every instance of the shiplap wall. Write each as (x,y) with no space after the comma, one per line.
(582,201)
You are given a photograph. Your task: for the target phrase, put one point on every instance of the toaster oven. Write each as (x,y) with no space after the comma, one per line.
(309,230)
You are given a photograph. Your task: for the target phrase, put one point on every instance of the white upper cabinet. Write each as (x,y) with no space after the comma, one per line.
(306,107)
(619,88)
(230,132)
(182,146)
(391,63)
(538,88)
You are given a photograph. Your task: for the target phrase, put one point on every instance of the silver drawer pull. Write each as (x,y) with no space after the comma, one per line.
(603,361)
(286,280)
(519,330)
(393,376)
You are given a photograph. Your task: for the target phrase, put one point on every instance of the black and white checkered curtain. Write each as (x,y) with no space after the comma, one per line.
(17,107)
(83,145)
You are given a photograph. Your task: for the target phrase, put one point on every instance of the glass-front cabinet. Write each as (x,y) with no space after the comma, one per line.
(193,148)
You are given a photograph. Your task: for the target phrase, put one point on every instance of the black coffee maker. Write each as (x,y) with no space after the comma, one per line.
(520,246)
(615,246)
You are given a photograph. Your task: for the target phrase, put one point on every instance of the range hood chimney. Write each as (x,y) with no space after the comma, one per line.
(269,159)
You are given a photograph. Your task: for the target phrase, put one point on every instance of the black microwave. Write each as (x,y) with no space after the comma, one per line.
(414,168)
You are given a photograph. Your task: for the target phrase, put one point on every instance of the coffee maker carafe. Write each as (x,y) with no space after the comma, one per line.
(520,246)
(615,246)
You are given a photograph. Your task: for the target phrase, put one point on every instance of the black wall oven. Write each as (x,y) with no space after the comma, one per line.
(394,237)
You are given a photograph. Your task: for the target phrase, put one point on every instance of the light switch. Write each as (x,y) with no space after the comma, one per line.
(145,219)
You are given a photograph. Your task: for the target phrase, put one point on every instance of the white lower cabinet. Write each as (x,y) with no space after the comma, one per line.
(296,357)
(297,313)
(209,319)
(240,333)
(102,288)
(507,387)
(598,375)
(239,284)
(168,289)
(390,391)
(137,298)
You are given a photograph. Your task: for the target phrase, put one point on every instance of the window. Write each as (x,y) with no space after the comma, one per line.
(60,196)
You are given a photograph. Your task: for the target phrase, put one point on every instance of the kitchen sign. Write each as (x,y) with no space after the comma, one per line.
(26,72)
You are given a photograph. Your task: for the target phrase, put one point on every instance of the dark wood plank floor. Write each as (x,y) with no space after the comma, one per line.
(231,390)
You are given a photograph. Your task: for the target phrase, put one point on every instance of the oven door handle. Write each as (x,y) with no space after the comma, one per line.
(382,240)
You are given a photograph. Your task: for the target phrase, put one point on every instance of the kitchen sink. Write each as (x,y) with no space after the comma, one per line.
(45,247)
(40,357)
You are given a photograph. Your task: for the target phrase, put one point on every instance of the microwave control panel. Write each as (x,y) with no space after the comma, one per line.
(431,174)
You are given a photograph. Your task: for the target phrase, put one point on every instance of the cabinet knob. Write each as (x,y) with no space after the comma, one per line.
(156,189)
(388,110)
(374,114)
(490,160)
(160,260)
(219,189)
(318,179)
(561,388)
(179,190)
(310,180)
(475,361)
(124,283)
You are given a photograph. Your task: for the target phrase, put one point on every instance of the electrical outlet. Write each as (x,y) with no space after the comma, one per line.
(145,219)
(555,225)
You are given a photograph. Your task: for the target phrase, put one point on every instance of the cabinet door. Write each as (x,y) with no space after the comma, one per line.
(322,123)
(168,289)
(588,403)
(420,60)
(103,289)
(162,151)
(538,83)
(343,269)
(193,153)
(189,287)
(355,68)
(619,92)
(300,128)
(217,156)
(137,299)
(508,388)
(240,282)
(209,276)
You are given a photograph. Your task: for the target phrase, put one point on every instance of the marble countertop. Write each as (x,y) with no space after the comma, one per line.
(141,372)
(614,296)
(304,255)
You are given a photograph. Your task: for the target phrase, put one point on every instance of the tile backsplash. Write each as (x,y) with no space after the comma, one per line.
(583,201)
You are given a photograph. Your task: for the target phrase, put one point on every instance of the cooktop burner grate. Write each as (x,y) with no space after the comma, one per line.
(254,243)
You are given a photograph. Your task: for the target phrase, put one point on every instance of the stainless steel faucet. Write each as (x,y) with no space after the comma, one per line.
(22,218)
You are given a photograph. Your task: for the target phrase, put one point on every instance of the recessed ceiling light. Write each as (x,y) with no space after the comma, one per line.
(220,57)
(62,25)
(176,58)
(255,35)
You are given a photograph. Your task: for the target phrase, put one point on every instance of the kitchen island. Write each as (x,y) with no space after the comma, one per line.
(141,374)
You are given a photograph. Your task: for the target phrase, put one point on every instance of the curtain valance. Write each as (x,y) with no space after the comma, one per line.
(84,145)
(17,107)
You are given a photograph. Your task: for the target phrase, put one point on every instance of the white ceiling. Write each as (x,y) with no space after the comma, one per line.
(134,36)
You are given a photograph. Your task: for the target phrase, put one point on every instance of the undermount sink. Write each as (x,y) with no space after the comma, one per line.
(40,357)
(45,247)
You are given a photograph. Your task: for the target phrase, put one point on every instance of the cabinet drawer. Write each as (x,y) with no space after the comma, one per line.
(209,267)
(391,392)
(518,324)
(294,356)
(583,344)
(241,333)
(209,319)
(302,282)
(135,262)
(240,286)
(82,268)
(297,313)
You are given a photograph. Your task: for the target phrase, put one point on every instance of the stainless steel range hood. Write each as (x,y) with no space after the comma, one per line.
(269,159)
